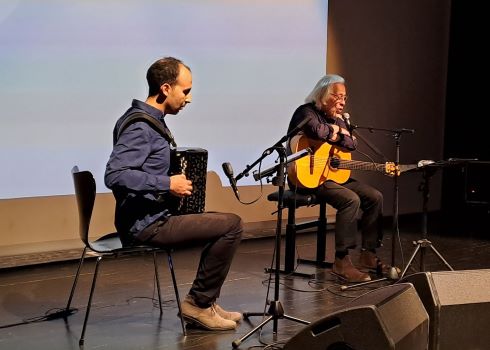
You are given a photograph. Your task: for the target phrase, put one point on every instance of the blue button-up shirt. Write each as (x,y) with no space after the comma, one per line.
(137,172)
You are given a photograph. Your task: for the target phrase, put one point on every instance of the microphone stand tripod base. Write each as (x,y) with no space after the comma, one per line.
(421,246)
(276,311)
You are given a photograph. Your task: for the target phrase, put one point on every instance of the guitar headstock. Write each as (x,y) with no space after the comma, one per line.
(391,169)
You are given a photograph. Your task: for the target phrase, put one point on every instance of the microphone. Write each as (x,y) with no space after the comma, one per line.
(346,118)
(228,170)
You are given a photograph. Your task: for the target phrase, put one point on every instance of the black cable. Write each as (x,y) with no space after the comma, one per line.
(48,316)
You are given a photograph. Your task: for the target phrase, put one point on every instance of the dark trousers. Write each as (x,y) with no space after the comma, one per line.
(354,200)
(220,233)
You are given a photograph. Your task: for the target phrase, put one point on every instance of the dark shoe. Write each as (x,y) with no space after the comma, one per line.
(344,269)
(205,317)
(227,315)
(369,260)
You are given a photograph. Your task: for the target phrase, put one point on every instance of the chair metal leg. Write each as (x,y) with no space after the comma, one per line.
(157,277)
(171,267)
(89,304)
(75,281)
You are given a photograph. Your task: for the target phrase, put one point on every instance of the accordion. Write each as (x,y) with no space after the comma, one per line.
(192,162)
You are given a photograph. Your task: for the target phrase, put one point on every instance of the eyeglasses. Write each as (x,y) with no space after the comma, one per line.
(339,97)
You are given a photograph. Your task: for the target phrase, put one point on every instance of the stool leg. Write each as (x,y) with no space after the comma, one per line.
(321,238)
(321,241)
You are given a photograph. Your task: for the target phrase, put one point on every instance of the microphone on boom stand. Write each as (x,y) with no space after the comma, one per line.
(393,272)
(228,170)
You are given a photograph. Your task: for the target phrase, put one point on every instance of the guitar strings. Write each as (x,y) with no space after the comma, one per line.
(341,161)
(352,164)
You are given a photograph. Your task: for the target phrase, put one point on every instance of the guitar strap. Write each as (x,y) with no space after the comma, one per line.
(142,117)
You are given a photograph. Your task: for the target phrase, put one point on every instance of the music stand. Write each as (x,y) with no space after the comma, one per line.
(423,243)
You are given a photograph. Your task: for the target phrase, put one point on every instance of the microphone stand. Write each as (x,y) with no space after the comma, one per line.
(268,151)
(397,133)
(275,311)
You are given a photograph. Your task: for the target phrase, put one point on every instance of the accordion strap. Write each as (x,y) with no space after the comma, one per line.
(141,117)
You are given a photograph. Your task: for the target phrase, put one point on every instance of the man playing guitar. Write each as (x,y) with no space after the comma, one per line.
(328,132)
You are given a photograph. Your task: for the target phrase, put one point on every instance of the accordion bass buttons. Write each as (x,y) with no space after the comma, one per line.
(193,163)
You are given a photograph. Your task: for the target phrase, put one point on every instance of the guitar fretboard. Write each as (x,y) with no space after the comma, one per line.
(356,165)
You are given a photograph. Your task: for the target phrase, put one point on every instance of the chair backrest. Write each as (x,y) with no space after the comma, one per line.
(85,193)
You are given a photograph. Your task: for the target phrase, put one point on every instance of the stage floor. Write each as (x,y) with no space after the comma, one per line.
(124,314)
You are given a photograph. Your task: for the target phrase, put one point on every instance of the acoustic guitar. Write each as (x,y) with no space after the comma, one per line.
(327,162)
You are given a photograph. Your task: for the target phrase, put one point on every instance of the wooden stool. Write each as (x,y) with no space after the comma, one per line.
(291,201)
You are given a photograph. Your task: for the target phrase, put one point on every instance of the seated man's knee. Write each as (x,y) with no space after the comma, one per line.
(236,224)
(354,202)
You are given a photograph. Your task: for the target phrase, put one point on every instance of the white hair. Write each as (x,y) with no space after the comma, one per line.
(322,86)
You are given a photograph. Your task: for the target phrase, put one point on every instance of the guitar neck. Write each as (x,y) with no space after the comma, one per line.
(388,168)
(359,165)
(407,167)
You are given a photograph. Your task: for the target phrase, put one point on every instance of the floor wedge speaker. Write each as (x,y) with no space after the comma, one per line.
(391,317)
(458,304)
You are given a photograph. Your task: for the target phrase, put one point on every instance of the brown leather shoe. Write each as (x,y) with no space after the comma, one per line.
(344,269)
(205,317)
(369,260)
(227,315)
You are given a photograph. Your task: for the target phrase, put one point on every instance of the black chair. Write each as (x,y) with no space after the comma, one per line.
(108,245)
(292,201)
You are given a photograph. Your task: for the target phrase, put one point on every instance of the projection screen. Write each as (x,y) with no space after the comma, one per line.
(69,69)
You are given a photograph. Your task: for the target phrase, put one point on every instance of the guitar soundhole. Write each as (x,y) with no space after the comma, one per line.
(334,162)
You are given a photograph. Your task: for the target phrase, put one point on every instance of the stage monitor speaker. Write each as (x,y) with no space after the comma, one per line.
(458,304)
(391,317)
